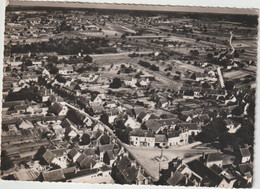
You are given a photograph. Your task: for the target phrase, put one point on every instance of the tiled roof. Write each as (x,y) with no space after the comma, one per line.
(55,175)
(48,156)
(203,171)
(160,138)
(175,179)
(244,152)
(72,152)
(214,157)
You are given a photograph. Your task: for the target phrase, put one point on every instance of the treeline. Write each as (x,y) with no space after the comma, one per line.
(65,46)
(148,65)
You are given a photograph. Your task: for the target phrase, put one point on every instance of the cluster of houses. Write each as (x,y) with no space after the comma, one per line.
(210,170)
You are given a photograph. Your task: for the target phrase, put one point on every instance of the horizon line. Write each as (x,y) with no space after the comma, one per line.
(133,7)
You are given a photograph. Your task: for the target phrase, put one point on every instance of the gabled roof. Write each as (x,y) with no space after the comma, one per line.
(88,162)
(216,168)
(155,125)
(54,175)
(66,123)
(175,179)
(246,167)
(72,153)
(55,108)
(140,132)
(58,152)
(129,172)
(213,157)
(203,171)
(48,156)
(138,110)
(81,158)
(96,134)
(90,151)
(24,124)
(244,152)
(154,117)
(141,116)
(160,138)
(107,147)
(104,139)
(97,109)
(189,126)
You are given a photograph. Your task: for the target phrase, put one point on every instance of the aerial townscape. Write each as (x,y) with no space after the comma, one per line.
(128,97)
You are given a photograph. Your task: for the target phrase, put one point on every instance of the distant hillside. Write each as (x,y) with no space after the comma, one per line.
(140,7)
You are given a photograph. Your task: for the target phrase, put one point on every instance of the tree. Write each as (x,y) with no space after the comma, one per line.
(28,62)
(53,59)
(85,139)
(6,162)
(116,83)
(88,58)
(39,153)
(60,78)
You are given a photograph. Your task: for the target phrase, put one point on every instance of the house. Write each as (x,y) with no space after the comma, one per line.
(144,83)
(178,138)
(246,171)
(160,140)
(46,73)
(24,124)
(97,109)
(157,125)
(27,175)
(110,104)
(58,130)
(206,176)
(107,147)
(83,102)
(53,176)
(163,103)
(177,179)
(142,117)
(57,157)
(66,123)
(110,157)
(244,155)
(33,109)
(89,78)
(85,162)
(130,122)
(136,111)
(66,70)
(139,137)
(193,128)
(43,94)
(73,154)
(131,83)
(98,100)
(213,158)
(91,152)
(100,175)
(125,171)
(52,99)
(58,109)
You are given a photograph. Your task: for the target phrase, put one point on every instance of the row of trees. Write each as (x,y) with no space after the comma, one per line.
(148,65)
(66,46)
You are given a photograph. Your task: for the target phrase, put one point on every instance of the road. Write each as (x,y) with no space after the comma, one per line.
(126,147)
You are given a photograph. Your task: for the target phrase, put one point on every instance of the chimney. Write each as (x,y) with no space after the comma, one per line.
(172,173)
(91,166)
(133,163)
